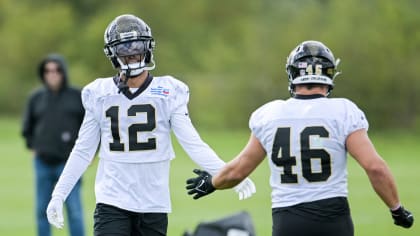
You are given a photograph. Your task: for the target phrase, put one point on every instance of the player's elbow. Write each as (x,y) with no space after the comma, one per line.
(378,169)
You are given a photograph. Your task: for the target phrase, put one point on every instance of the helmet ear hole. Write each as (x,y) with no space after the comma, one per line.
(148,57)
(107,51)
(151,44)
(114,62)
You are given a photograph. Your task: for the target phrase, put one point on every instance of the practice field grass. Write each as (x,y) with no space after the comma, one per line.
(370,215)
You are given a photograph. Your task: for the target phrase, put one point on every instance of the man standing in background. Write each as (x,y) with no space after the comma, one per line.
(51,122)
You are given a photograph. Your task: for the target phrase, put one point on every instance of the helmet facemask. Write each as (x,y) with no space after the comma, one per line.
(127,51)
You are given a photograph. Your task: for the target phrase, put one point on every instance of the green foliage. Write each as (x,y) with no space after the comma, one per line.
(370,215)
(231,53)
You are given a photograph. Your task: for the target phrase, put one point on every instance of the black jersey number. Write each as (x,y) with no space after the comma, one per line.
(281,155)
(133,129)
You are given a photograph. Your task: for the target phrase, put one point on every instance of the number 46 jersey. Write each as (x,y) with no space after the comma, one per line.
(304,139)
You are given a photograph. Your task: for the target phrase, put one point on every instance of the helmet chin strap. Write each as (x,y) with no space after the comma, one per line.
(128,72)
(122,84)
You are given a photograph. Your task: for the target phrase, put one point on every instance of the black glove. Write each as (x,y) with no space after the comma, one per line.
(402,217)
(201,185)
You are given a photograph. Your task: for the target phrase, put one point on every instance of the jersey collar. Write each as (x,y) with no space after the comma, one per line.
(131,95)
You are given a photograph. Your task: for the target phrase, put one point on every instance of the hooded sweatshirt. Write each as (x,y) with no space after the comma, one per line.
(52,119)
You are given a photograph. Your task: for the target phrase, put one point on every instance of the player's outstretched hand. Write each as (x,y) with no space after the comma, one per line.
(55,212)
(201,185)
(245,189)
(402,217)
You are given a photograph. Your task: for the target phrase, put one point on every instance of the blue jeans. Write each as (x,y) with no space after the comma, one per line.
(46,178)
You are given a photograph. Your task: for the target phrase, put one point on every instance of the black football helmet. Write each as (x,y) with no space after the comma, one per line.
(311,62)
(129,35)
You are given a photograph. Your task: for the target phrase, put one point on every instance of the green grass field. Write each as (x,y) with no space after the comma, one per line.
(370,216)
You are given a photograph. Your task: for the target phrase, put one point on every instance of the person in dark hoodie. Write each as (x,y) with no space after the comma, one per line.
(51,123)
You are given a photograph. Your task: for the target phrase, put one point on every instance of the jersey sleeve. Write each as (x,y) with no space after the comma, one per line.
(257,119)
(355,119)
(253,121)
(83,151)
(179,103)
(188,137)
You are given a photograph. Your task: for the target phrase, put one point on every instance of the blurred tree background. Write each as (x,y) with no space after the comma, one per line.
(231,53)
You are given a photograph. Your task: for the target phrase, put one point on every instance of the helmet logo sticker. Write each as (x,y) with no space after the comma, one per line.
(128,34)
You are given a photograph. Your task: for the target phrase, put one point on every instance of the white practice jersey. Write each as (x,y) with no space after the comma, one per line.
(136,129)
(305,144)
(133,130)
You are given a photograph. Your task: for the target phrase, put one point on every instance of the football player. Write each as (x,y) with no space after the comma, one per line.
(131,116)
(306,139)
